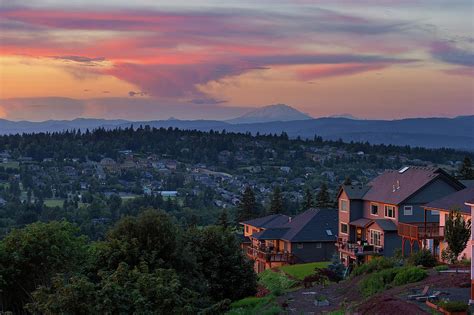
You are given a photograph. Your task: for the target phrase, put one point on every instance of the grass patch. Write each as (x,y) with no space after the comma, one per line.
(255,306)
(276,282)
(11,165)
(381,280)
(52,203)
(376,264)
(303,270)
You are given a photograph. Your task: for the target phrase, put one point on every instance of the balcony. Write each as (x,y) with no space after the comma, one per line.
(354,249)
(268,255)
(417,231)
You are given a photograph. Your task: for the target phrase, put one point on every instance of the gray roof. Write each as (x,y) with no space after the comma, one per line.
(386,224)
(355,192)
(269,221)
(395,186)
(312,225)
(454,201)
(270,234)
(467,182)
(362,222)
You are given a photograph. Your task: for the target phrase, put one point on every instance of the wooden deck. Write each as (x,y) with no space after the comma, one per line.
(354,249)
(269,256)
(416,231)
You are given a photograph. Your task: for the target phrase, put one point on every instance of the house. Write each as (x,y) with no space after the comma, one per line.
(277,240)
(470,203)
(377,218)
(454,201)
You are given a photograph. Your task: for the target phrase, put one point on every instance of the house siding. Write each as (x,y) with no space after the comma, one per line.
(310,252)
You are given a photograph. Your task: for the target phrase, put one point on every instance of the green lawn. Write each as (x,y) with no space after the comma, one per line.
(302,270)
(14,165)
(51,203)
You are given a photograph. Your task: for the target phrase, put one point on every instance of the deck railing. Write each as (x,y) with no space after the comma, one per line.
(354,249)
(421,230)
(269,255)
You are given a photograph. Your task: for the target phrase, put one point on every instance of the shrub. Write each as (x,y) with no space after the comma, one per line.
(441,268)
(374,265)
(276,282)
(409,275)
(423,257)
(454,306)
(387,278)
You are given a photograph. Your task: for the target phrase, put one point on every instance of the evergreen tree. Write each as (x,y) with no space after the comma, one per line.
(347,181)
(247,206)
(323,200)
(223,219)
(466,171)
(276,204)
(457,233)
(307,201)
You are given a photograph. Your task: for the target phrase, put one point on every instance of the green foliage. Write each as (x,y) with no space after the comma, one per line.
(379,281)
(307,200)
(146,265)
(441,268)
(276,203)
(409,275)
(276,282)
(457,233)
(454,306)
(376,264)
(248,206)
(29,257)
(423,257)
(466,171)
(300,271)
(255,306)
(323,200)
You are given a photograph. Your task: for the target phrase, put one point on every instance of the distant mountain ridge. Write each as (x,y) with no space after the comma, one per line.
(456,133)
(277,112)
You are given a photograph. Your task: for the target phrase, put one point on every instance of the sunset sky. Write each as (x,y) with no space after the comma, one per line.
(151,59)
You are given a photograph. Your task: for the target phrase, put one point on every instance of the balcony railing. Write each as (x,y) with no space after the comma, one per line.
(355,249)
(268,255)
(421,230)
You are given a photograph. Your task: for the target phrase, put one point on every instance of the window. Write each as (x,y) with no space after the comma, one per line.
(408,210)
(344,228)
(319,245)
(434,212)
(375,238)
(390,211)
(299,245)
(344,205)
(374,209)
(246,228)
(329,232)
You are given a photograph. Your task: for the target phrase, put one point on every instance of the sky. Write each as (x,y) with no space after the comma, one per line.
(209,59)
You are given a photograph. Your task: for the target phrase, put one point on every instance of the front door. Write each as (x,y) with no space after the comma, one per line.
(359,233)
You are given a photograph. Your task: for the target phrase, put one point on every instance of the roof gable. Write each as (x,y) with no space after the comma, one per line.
(453,201)
(394,187)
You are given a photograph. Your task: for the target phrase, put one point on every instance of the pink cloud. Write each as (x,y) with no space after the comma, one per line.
(329,70)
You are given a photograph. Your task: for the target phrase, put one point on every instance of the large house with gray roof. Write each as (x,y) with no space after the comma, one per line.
(278,240)
(387,213)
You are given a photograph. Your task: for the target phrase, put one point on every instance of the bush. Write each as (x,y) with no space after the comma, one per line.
(384,279)
(409,275)
(442,268)
(374,265)
(454,306)
(424,258)
(276,282)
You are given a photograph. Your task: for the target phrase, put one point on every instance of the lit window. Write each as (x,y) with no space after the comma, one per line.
(390,211)
(374,209)
(375,238)
(344,228)
(408,210)
(344,205)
